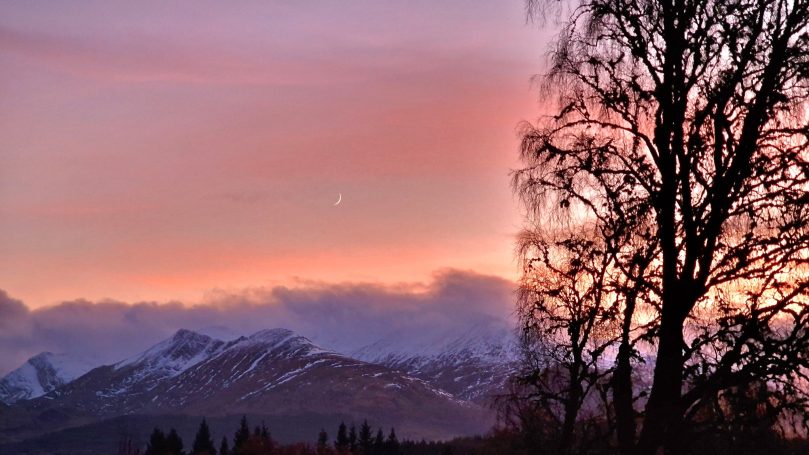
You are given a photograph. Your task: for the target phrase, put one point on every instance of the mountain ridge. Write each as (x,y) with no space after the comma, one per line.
(473,363)
(274,372)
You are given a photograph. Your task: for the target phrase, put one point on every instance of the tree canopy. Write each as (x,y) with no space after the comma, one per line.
(667,214)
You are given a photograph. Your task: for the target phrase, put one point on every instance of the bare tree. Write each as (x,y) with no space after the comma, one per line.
(680,148)
(565,314)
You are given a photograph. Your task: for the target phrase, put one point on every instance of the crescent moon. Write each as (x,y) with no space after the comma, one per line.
(339,198)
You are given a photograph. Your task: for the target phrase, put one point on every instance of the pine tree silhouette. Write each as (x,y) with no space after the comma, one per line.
(342,444)
(157,443)
(364,442)
(379,443)
(241,437)
(392,444)
(265,435)
(223,447)
(352,439)
(203,444)
(174,443)
(264,439)
(322,441)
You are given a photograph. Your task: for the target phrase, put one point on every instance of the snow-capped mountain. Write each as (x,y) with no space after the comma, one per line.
(272,372)
(471,363)
(165,360)
(41,374)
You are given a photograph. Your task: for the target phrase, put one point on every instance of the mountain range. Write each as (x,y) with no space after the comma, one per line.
(432,388)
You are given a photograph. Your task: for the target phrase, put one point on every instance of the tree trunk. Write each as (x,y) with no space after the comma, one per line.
(622,386)
(622,400)
(572,406)
(663,420)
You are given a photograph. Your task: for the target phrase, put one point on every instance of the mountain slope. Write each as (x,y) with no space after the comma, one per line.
(470,363)
(41,374)
(272,372)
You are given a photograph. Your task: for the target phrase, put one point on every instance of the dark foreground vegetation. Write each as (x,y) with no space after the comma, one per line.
(363,440)
(347,441)
(664,298)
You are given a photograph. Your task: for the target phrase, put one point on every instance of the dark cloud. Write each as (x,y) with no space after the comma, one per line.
(11,310)
(338,316)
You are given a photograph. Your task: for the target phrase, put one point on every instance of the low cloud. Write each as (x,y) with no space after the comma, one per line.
(338,316)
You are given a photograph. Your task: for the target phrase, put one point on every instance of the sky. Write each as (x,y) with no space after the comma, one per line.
(176,151)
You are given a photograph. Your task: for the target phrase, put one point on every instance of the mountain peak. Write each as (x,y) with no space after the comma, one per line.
(189,335)
(174,355)
(275,336)
(280,339)
(42,373)
(42,355)
(43,358)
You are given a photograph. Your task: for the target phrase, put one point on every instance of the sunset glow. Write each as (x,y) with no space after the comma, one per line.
(157,152)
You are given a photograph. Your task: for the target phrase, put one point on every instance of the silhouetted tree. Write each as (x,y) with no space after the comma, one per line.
(379,443)
(174,443)
(680,148)
(265,432)
(265,439)
(322,442)
(258,442)
(352,439)
(365,438)
(342,443)
(241,436)
(565,311)
(392,444)
(224,449)
(203,443)
(157,443)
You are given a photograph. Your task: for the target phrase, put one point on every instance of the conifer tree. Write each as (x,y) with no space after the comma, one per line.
(265,441)
(342,442)
(174,443)
(265,432)
(379,443)
(392,444)
(322,441)
(365,438)
(223,447)
(157,443)
(241,437)
(203,443)
(352,439)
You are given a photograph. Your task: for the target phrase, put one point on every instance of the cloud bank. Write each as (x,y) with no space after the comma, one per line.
(338,316)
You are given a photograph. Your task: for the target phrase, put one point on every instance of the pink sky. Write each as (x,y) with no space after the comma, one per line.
(154,152)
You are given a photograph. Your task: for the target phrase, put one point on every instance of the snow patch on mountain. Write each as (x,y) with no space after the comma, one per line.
(41,374)
(174,355)
(472,363)
(490,341)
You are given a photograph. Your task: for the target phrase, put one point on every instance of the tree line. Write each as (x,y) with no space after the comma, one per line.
(348,441)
